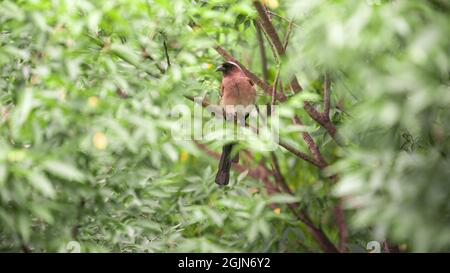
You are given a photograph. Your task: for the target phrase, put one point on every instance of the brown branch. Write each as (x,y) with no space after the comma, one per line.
(340,221)
(338,210)
(26,248)
(279,178)
(267,12)
(298,153)
(268,27)
(316,232)
(262,52)
(288,34)
(313,148)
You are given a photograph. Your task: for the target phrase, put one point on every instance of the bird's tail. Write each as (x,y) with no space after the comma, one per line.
(223,174)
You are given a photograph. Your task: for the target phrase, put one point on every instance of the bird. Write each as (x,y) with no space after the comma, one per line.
(236,90)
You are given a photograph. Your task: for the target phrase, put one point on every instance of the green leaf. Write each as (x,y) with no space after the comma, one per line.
(126,54)
(39,180)
(242,176)
(264,228)
(23,226)
(64,170)
(25,105)
(282,198)
(216,217)
(252,231)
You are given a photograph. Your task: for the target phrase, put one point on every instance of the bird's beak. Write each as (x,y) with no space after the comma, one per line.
(220,68)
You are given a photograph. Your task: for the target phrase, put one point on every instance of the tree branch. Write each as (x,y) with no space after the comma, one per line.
(298,153)
(338,210)
(283,144)
(279,178)
(262,52)
(311,144)
(272,48)
(326,96)
(340,221)
(288,34)
(268,27)
(166,52)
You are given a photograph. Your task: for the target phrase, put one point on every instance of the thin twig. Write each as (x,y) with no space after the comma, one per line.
(166,52)
(326,95)
(262,51)
(279,178)
(282,18)
(272,47)
(288,34)
(147,55)
(275,83)
(313,148)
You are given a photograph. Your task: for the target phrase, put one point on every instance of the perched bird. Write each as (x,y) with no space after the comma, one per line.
(236,89)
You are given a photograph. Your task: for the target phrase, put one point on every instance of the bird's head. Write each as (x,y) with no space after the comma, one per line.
(228,67)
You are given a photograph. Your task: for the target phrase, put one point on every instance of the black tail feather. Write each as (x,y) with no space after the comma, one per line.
(223,174)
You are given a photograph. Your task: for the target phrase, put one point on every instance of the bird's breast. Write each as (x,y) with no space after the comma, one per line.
(238,91)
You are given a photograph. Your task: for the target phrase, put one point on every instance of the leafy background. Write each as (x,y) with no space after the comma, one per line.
(87,154)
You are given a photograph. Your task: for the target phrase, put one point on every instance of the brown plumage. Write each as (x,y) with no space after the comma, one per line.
(236,89)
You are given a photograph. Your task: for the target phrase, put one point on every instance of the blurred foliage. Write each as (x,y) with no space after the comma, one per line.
(87,155)
(391,63)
